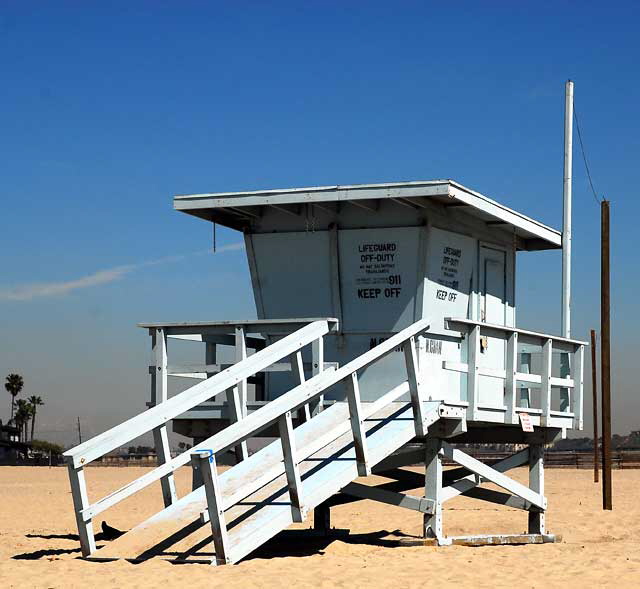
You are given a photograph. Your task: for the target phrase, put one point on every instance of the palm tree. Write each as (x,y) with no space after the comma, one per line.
(35,401)
(13,384)
(22,416)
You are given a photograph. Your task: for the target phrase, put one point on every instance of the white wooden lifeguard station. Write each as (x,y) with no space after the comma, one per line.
(411,346)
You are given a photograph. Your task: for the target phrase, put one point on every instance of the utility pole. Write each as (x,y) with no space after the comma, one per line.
(79,432)
(594,390)
(566,209)
(605,356)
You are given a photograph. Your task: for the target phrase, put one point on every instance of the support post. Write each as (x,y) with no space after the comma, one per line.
(594,395)
(605,358)
(297,367)
(357,426)
(473,377)
(415,385)
(205,462)
(577,374)
(159,394)
(432,526)
(292,470)
(510,381)
(235,409)
(241,354)
(80,502)
(317,366)
(545,386)
(536,484)
(322,518)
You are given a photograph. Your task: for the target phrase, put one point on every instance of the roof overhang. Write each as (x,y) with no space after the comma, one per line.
(223,207)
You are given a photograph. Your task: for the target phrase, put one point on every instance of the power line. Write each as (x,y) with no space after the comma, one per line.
(584,155)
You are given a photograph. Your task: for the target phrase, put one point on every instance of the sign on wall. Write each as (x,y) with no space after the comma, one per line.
(449,270)
(378,270)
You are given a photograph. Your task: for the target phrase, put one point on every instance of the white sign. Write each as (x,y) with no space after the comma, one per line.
(525,422)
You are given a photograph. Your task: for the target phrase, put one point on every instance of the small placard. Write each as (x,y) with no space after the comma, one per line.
(525,422)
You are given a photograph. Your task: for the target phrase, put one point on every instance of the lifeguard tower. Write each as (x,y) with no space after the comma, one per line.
(385,335)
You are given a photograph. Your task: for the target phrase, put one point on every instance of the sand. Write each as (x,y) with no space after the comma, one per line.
(38,547)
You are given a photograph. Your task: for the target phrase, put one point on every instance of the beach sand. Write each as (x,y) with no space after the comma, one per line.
(38,546)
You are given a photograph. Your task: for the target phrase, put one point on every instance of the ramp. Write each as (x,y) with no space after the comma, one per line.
(235,512)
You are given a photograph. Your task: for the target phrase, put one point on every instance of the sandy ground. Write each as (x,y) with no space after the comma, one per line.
(38,546)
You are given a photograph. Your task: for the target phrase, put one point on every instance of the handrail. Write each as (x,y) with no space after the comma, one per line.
(572,382)
(300,395)
(451,321)
(160,414)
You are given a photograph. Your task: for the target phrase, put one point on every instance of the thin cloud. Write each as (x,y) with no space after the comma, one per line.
(27,292)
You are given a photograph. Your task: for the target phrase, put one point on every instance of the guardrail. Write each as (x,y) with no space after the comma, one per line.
(156,418)
(280,411)
(571,403)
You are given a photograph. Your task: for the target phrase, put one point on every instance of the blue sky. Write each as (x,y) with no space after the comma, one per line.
(109,109)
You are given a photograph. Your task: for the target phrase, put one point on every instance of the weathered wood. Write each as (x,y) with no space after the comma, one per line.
(578,391)
(317,366)
(594,397)
(357,425)
(235,410)
(291,466)
(605,356)
(240,355)
(484,540)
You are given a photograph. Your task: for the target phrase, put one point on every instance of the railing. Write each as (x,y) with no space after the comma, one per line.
(280,411)
(571,405)
(156,418)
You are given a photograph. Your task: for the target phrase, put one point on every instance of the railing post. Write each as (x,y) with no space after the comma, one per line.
(510,381)
(317,366)
(159,394)
(233,400)
(525,393)
(432,526)
(297,367)
(205,462)
(545,386)
(292,469)
(577,374)
(357,426)
(415,385)
(241,354)
(536,483)
(565,372)
(80,502)
(473,357)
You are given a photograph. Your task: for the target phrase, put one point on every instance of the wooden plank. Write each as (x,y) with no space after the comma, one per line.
(493,475)
(291,466)
(536,482)
(510,384)
(404,500)
(432,523)
(235,411)
(159,394)
(317,366)
(545,391)
(484,540)
(464,484)
(473,375)
(498,497)
(156,416)
(505,329)
(297,366)
(414,378)
(241,355)
(206,463)
(578,392)
(80,501)
(357,425)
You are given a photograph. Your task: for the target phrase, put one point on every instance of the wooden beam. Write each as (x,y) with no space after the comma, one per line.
(362,491)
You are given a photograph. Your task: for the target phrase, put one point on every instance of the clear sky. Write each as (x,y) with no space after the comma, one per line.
(108,109)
